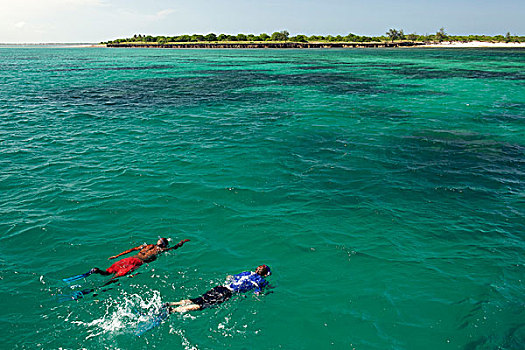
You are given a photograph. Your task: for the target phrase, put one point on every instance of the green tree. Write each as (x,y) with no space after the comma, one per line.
(393,34)
(184,38)
(299,38)
(264,37)
(351,38)
(412,37)
(210,37)
(241,37)
(196,38)
(508,38)
(280,36)
(441,35)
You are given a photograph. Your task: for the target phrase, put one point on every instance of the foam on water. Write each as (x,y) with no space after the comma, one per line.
(124,314)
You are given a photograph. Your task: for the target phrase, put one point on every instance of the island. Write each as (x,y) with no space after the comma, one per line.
(283,40)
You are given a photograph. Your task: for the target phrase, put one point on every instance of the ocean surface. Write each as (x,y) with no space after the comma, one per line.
(384,187)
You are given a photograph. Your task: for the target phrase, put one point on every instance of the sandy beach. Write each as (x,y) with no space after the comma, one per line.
(474,44)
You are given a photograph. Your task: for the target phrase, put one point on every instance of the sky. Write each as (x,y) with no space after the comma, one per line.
(93,21)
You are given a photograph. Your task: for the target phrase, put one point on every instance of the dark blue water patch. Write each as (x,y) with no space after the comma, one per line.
(512,338)
(505,112)
(483,74)
(386,65)
(506,117)
(181,91)
(83,59)
(217,87)
(336,83)
(317,67)
(513,67)
(321,78)
(408,86)
(277,62)
(457,159)
(433,73)
(229,65)
(374,64)
(517,106)
(235,74)
(111,68)
(456,176)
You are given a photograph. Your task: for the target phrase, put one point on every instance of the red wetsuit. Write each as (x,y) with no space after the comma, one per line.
(125,266)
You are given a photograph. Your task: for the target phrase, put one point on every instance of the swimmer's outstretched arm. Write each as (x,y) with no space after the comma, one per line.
(178,245)
(263,290)
(126,252)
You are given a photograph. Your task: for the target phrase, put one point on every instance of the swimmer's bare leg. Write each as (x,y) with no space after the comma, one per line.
(185,308)
(182,302)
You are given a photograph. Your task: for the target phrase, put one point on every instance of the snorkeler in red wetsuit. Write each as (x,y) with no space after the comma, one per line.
(147,253)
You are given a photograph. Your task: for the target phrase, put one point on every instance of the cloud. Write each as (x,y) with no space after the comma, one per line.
(20,24)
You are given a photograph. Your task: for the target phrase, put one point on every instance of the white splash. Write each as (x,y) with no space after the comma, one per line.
(124,314)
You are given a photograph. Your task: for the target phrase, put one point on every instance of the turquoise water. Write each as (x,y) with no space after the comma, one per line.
(385,188)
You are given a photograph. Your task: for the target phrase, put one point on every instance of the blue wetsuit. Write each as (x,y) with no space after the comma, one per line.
(240,283)
(246,281)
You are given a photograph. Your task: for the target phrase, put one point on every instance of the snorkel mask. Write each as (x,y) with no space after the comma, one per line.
(267,268)
(165,241)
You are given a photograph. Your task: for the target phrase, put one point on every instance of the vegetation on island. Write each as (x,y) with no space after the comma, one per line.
(392,35)
(441,35)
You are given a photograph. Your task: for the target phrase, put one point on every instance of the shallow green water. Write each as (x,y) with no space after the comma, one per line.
(385,188)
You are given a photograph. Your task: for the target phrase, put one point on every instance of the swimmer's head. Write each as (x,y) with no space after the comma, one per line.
(263,270)
(163,242)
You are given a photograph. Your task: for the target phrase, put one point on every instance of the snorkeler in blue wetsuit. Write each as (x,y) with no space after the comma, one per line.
(243,282)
